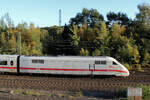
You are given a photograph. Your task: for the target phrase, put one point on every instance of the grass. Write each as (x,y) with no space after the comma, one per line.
(32,93)
(61,95)
(37,94)
(18,91)
(67,95)
(54,95)
(79,94)
(28,93)
(145,92)
(123,99)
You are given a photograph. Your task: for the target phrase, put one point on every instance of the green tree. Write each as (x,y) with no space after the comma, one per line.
(54,43)
(74,37)
(2,42)
(139,29)
(91,17)
(84,52)
(120,18)
(96,52)
(122,47)
(30,39)
(144,14)
(146,59)
(12,45)
(101,40)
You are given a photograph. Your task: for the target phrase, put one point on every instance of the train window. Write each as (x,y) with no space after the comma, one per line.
(103,62)
(11,63)
(100,62)
(3,62)
(38,61)
(97,62)
(114,63)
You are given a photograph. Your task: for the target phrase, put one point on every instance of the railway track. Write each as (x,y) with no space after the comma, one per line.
(67,83)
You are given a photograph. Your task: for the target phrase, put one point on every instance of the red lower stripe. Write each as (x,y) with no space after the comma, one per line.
(107,70)
(64,69)
(56,69)
(28,68)
(8,67)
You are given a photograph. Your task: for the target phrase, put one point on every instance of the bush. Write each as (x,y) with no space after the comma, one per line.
(122,92)
(139,68)
(28,93)
(18,91)
(129,67)
(145,92)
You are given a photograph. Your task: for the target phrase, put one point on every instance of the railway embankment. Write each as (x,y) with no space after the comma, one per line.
(69,87)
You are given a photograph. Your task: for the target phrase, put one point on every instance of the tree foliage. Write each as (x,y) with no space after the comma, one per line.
(87,34)
(91,17)
(120,18)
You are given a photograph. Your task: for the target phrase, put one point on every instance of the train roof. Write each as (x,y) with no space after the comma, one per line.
(69,57)
(8,55)
(61,57)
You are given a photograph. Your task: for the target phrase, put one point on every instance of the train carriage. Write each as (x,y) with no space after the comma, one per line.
(54,65)
(72,65)
(69,65)
(8,63)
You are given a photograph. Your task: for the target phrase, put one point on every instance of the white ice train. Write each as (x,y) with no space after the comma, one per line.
(68,65)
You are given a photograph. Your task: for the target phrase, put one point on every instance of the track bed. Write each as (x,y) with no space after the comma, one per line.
(74,83)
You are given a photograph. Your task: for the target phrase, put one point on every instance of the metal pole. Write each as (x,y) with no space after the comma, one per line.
(59,17)
(19,43)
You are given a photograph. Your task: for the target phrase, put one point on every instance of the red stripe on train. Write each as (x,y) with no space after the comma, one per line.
(108,70)
(55,69)
(28,68)
(64,69)
(8,67)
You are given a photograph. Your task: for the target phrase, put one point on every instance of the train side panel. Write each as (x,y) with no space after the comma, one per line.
(81,67)
(109,66)
(8,63)
(104,66)
(65,66)
(72,65)
(25,65)
(54,65)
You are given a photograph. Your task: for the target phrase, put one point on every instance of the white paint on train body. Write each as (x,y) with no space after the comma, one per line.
(70,65)
(8,63)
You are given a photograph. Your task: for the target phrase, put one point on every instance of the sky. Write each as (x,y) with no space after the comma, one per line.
(45,13)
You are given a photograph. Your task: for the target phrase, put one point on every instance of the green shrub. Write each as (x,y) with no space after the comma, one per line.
(145,92)
(18,91)
(37,94)
(129,67)
(122,92)
(139,68)
(28,93)
(123,99)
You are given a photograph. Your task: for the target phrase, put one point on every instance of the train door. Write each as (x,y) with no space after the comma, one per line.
(12,64)
(4,64)
(92,68)
(8,63)
(100,67)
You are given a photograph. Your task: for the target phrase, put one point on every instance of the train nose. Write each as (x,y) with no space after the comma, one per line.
(128,73)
